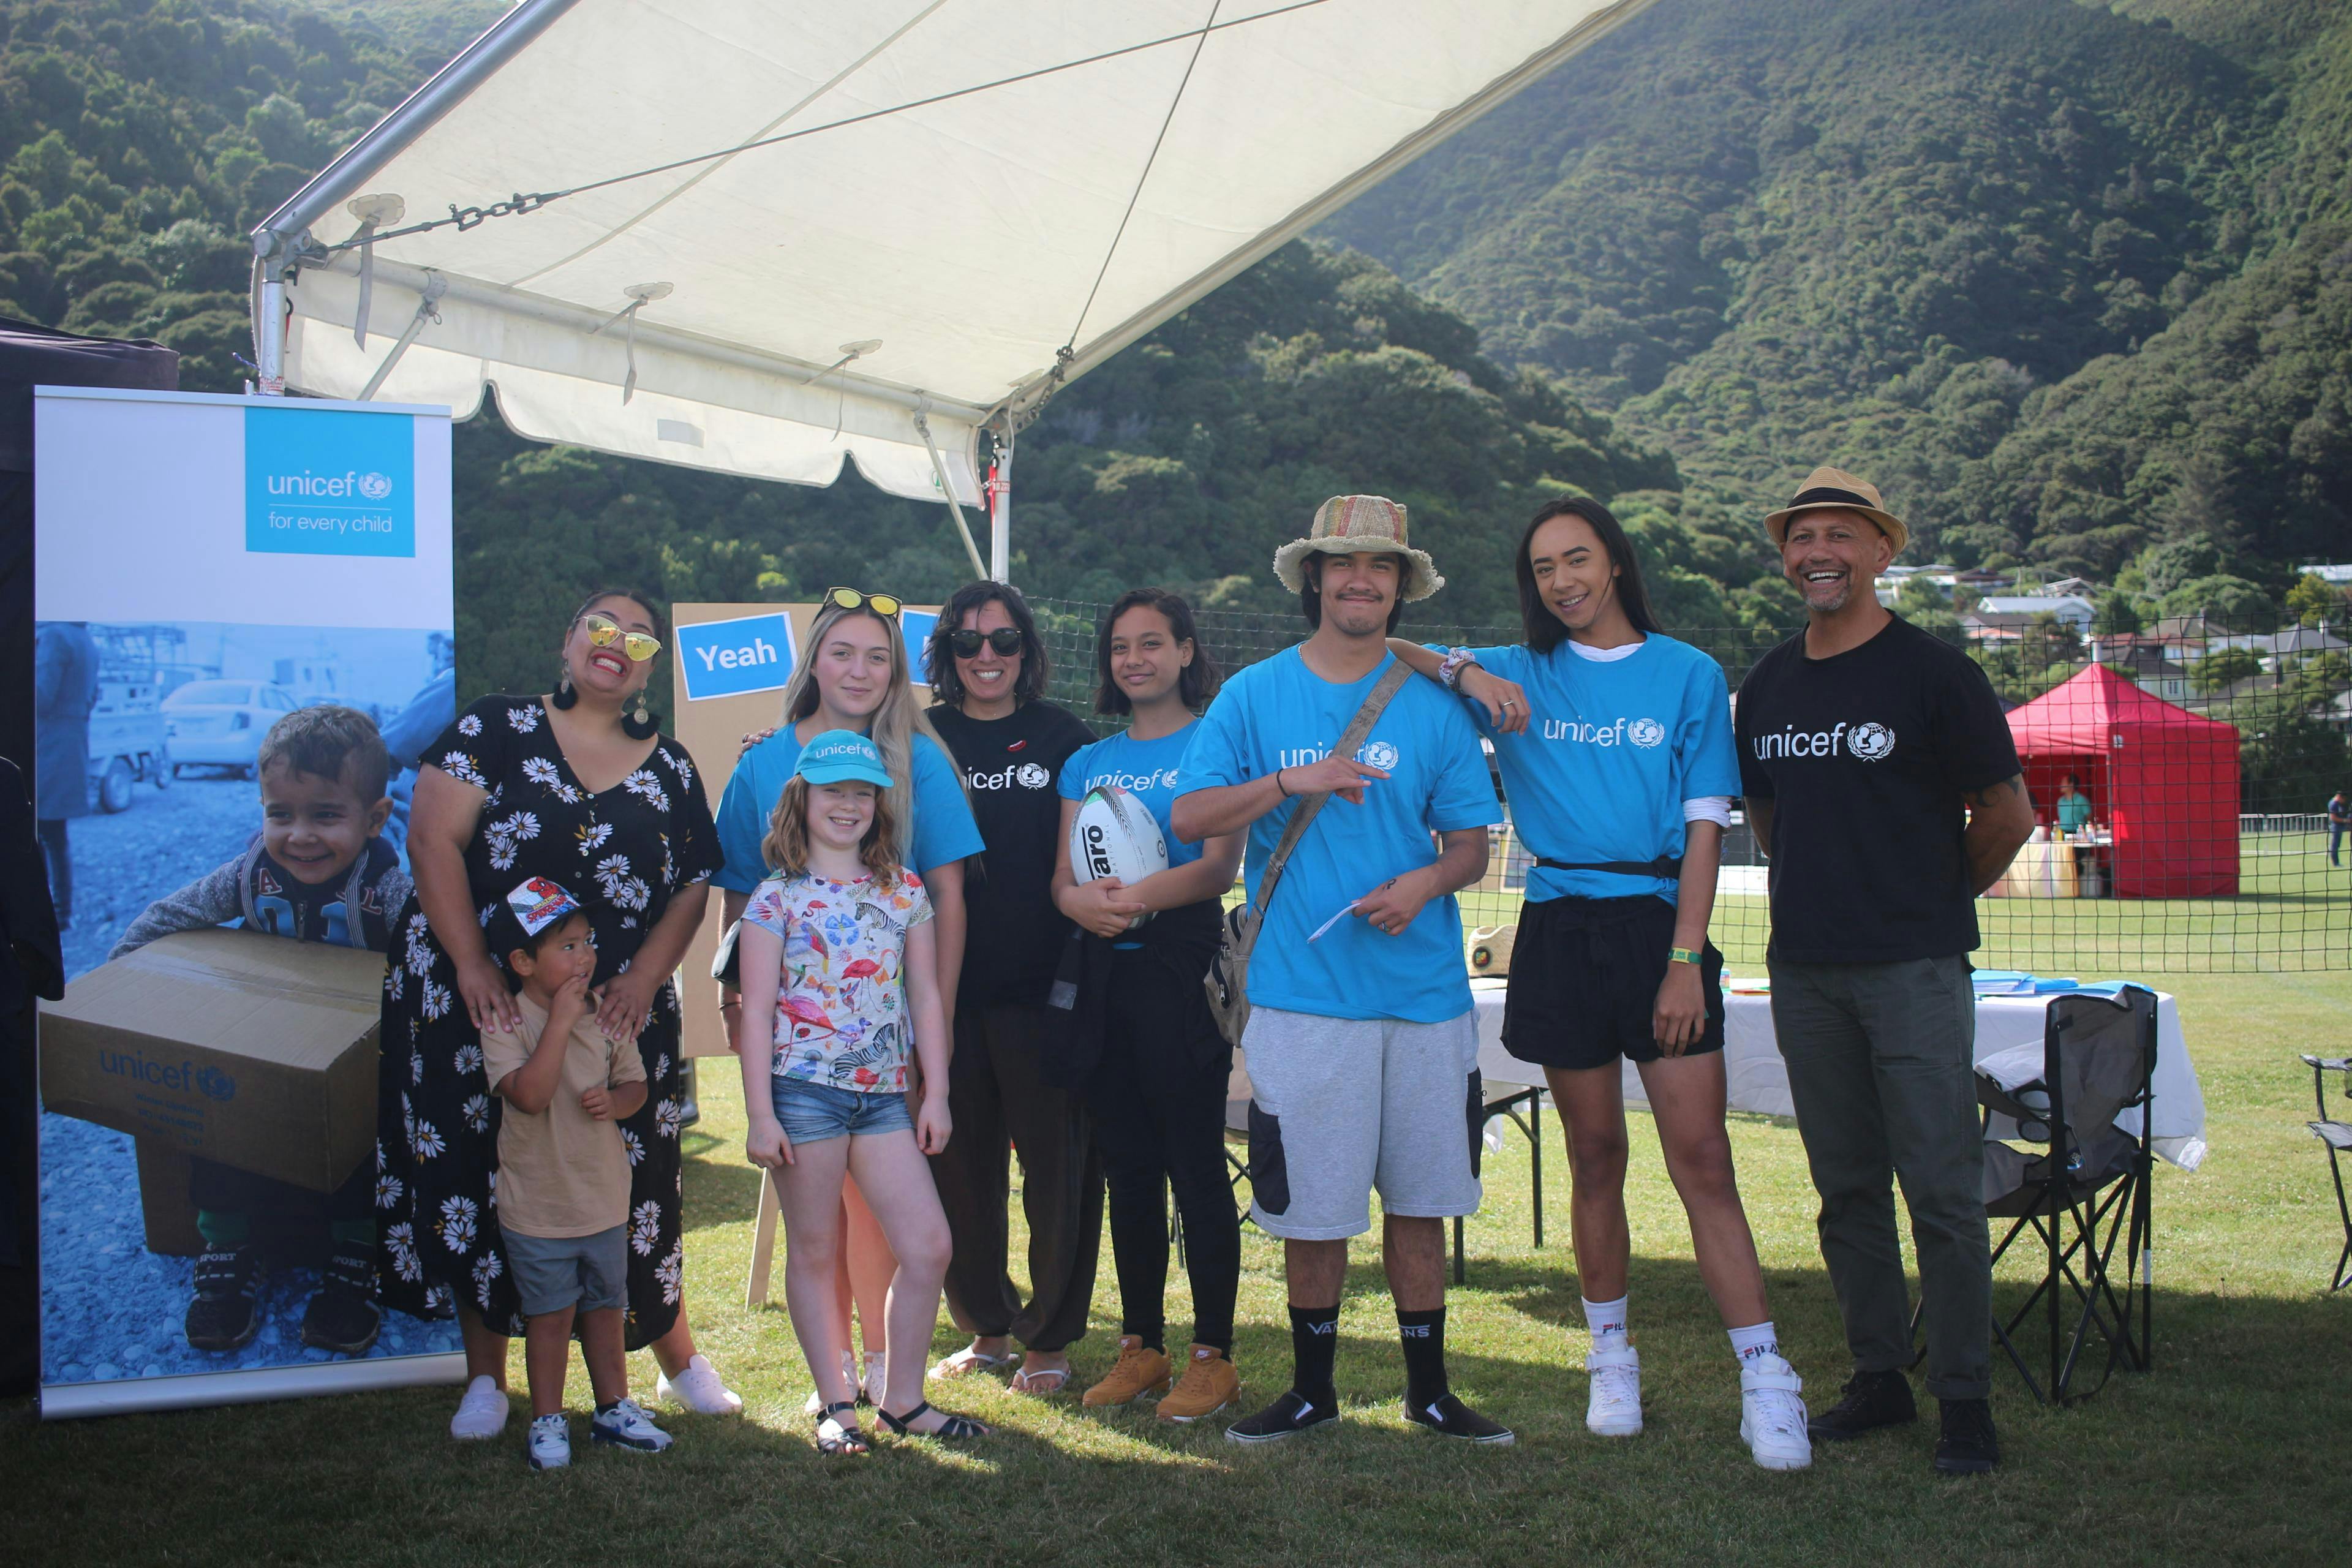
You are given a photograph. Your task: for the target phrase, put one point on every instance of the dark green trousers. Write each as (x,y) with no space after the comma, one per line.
(1882,1066)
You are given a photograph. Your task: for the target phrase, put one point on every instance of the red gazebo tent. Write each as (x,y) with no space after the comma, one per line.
(2162,779)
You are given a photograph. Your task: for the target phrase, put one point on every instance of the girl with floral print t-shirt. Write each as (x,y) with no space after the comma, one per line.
(840,1012)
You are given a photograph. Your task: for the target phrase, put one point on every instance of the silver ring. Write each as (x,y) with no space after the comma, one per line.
(1508,703)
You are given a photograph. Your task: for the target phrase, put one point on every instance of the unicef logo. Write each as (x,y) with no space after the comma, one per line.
(1871,742)
(1379,754)
(216,1084)
(1645,732)
(1033,776)
(375,486)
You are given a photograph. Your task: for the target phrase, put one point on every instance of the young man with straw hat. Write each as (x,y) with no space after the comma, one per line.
(1881,779)
(1362,1043)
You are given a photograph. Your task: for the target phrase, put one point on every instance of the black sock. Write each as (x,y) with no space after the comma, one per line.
(608,1408)
(1150,1339)
(1314,1347)
(1425,1356)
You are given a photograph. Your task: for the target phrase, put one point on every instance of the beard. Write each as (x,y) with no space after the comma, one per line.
(1358,617)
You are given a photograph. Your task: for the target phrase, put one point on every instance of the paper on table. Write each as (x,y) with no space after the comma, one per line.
(1345,911)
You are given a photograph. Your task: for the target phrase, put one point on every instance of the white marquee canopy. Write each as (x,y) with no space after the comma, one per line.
(758,236)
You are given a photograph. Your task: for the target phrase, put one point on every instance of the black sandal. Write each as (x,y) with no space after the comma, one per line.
(954,1428)
(847,1438)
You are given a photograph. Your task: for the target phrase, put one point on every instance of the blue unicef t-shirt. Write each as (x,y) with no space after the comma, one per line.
(1145,769)
(1611,750)
(1278,714)
(943,829)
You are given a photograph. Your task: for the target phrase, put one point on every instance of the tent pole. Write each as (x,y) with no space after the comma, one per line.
(939,470)
(269,324)
(1000,513)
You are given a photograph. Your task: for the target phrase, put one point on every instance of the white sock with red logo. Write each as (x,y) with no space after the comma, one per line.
(1606,1320)
(1756,1343)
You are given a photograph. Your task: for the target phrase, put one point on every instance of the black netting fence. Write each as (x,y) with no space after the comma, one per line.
(2182,785)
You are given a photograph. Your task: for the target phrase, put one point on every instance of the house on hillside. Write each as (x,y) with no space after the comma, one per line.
(2334,577)
(2007,616)
(2148,666)
(2273,648)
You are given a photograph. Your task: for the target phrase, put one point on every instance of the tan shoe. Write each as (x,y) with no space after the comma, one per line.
(1208,1386)
(1136,1373)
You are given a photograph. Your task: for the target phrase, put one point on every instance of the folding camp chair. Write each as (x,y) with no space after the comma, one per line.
(2087,1190)
(2337,1138)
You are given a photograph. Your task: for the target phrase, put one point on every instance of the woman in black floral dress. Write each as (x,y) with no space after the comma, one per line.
(579,788)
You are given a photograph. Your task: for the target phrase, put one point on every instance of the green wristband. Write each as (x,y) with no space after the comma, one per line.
(1682,955)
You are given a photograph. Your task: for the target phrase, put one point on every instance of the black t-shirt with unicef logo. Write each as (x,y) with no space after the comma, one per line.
(1013,932)
(1866,756)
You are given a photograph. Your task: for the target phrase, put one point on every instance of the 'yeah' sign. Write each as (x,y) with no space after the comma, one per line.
(728,659)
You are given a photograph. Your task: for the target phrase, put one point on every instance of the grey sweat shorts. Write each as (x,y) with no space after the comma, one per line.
(1342,1107)
(550,1273)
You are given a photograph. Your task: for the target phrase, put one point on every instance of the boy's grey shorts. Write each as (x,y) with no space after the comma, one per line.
(1339,1107)
(550,1273)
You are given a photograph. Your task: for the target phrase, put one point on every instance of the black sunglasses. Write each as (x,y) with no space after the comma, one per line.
(965,644)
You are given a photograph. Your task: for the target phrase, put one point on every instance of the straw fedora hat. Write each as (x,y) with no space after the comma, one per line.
(1346,524)
(1827,488)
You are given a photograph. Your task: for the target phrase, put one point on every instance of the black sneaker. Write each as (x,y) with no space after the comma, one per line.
(224,1315)
(1286,1417)
(1969,1445)
(1870,1400)
(1449,1417)
(343,1316)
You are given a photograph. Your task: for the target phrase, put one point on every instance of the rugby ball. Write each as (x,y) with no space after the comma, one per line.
(1113,835)
(1490,949)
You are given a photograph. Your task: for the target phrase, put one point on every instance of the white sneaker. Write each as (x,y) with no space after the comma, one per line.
(698,1388)
(551,1443)
(876,1379)
(482,1413)
(1614,1408)
(1772,1417)
(816,1401)
(626,1426)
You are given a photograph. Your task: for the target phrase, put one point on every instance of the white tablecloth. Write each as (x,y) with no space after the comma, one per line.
(1757,1079)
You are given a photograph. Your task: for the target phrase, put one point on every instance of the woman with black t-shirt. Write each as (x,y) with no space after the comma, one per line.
(987,667)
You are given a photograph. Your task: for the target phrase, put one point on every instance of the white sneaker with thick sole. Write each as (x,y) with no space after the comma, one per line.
(698,1388)
(551,1443)
(1614,1406)
(626,1426)
(482,1413)
(1772,1415)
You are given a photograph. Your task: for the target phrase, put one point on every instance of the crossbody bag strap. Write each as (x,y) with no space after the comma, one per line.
(1358,727)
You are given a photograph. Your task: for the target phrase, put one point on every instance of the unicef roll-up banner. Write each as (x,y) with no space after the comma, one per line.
(243,640)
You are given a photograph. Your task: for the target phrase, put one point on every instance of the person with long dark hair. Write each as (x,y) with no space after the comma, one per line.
(1156,1079)
(578,785)
(989,672)
(1614,743)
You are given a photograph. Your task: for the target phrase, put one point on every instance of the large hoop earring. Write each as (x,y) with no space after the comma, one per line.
(639,724)
(565,695)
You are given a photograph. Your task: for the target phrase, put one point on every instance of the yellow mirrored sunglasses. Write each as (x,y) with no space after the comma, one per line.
(884,605)
(603,632)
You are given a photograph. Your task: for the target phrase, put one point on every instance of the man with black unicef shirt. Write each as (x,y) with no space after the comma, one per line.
(1881,778)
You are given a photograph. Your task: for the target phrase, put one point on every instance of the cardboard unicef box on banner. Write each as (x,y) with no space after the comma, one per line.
(729,668)
(208,566)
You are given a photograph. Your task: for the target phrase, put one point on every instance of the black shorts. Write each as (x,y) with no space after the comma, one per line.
(1585,974)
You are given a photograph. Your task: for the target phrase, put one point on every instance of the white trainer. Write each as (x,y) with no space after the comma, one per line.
(626,1426)
(698,1388)
(816,1400)
(482,1413)
(1614,1408)
(1772,1417)
(551,1443)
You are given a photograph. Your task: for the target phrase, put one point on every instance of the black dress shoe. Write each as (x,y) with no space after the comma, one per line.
(1869,1401)
(1969,1445)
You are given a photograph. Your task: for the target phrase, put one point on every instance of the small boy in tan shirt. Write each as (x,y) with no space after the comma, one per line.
(563,1174)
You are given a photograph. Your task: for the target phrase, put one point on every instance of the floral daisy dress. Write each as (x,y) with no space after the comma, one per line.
(623,854)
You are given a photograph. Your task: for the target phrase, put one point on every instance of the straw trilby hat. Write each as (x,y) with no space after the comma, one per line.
(1826,487)
(1346,524)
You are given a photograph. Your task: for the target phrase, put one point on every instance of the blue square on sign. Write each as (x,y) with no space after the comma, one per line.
(728,659)
(915,627)
(328,481)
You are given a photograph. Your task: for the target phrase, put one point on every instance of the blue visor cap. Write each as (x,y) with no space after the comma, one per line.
(838,756)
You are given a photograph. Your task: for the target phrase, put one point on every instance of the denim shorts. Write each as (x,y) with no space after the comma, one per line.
(813,1112)
(587,1272)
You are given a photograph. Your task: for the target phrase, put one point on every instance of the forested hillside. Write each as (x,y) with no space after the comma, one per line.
(2071,283)
(2067,281)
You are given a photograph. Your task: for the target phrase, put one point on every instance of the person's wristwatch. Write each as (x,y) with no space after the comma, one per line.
(1682,955)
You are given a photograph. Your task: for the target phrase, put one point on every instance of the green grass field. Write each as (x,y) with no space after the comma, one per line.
(2229,1448)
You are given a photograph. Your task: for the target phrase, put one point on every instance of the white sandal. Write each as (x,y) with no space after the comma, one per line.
(964,1362)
